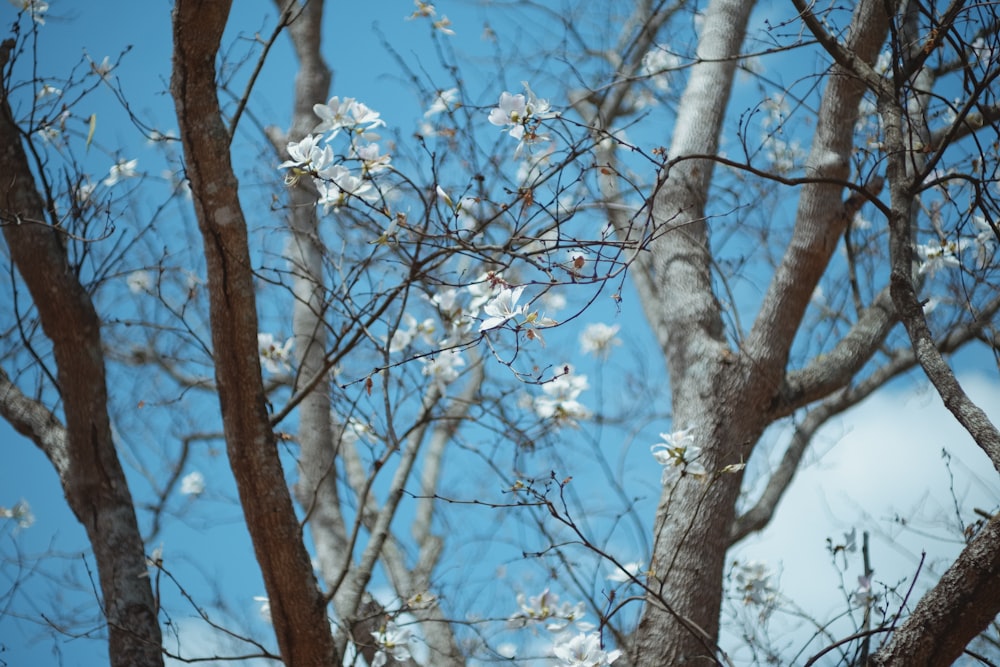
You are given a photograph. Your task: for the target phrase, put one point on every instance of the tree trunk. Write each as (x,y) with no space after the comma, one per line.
(298,609)
(681,620)
(84,455)
(958,608)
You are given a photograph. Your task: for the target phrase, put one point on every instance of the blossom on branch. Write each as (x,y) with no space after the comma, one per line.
(20,512)
(392,640)
(502,308)
(445,100)
(678,455)
(306,157)
(520,115)
(193,484)
(36,8)
(274,357)
(546,608)
(935,256)
(584,650)
(599,339)
(348,114)
(120,171)
(559,400)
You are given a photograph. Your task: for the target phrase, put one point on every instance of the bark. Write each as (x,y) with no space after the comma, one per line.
(316,489)
(967,598)
(83,453)
(298,610)
(730,398)
(680,623)
(957,609)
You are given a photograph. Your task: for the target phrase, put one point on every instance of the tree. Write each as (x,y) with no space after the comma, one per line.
(420,286)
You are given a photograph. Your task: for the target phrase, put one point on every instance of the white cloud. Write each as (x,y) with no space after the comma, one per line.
(885,469)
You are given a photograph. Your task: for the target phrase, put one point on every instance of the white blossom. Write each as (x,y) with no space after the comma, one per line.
(678,455)
(445,100)
(753,581)
(559,398)
(20,512)
(423,9)
(103,68)
(139,281)
(274,356)
(263,607)
(502,308)
(599,339)
(515,112)
(120,171)
(337,185)
(193,484)
(348,113)
(47,90)
(391,640)
(584,650)
(36,8)
(546,608)
(985,241)
(656,65)
(306,157)
(935,256)
(443,367)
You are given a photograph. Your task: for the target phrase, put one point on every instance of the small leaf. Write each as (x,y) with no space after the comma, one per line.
(93,127)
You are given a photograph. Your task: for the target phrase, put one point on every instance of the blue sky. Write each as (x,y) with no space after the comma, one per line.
(883,458)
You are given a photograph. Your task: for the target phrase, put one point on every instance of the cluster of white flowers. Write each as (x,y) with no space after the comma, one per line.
(503,307)
(444,100)
(657,64)
(36,8)
(20,512)
(783,155)
(520,115)
(263,607)
(274,356)
(581,648)
(443,367)
(599,339)
(584,650)
(937,255)
(545,608)
(753,582)
(392,640)
(428,11)
(314,157)
(559,402)
(863,595)
(678,455)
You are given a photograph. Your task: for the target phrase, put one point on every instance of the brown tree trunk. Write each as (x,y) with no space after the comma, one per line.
(85,458)
(298,609)
(958,608)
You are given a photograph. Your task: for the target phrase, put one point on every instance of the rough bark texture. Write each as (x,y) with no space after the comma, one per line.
(957,609)
(84,453)
(298,610)
(730,397)
(680,624)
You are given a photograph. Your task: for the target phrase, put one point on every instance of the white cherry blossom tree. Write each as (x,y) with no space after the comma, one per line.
(388,330)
